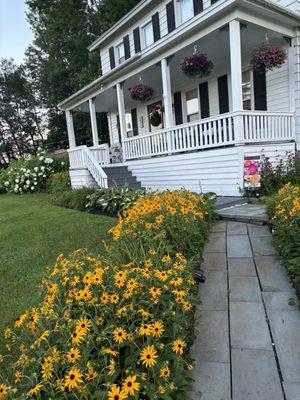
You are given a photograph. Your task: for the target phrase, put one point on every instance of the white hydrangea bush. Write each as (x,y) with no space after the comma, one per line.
(30,174)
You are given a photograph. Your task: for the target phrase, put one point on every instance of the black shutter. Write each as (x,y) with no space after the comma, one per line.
(204,100)
(119,128)
(260,90)
(135,128)
(137,40)
(112,58)
(223,94)
(178,108)
(171,16)
(214,1)
(156,27)
(126,47)
(198,6)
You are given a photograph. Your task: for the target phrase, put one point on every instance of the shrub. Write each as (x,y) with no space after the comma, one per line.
(284,209)
(59,182)
(75,199)
(113,200)
(109,330)
(29,175)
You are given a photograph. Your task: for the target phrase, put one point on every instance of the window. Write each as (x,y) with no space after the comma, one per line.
(148,34)
(121,53)
(128,124)
(247,90)
(186,10)
(192,105)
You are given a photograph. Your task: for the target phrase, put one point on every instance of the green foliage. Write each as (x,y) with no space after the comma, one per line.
(284,209)
(75,199)
(30,174)
(113,200)
(59,182)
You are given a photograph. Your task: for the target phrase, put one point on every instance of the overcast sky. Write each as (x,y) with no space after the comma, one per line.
(15,33)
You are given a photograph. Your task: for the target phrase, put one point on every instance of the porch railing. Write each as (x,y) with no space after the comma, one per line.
(83,157)
(227,129)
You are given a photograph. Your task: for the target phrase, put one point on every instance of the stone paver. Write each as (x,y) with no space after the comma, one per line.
(241,267)
(244,288)
(249,329)
(247,301)
(214,292)
(255,375)
(245,213)
(238,246)
(212,381)
(212,340)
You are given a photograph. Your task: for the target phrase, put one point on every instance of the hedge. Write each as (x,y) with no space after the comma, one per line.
(116,326)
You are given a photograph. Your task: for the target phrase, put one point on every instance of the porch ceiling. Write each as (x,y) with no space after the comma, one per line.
(216,45)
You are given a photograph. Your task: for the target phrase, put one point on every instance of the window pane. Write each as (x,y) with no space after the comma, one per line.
(192,104)
(186,9)
(121,53)
(246,90)
(128,124)
(148,34)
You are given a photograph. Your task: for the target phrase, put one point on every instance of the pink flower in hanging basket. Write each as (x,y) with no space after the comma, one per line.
(267,56)
(198,65)
(141,92)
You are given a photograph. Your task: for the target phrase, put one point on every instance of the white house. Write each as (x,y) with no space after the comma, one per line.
(209,125)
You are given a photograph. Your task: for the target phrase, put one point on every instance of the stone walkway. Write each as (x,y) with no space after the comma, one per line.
(247,343)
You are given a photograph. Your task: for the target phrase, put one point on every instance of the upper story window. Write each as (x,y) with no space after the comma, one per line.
(186,8)
(121,53)
(148,34)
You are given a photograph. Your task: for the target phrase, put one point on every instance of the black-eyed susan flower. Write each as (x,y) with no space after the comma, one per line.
(116,393)
(148,356)
(73,378)
(145,329)
(164,372)
(110,352)
(157,329)
(178,346)
(73,355)
(130,385)
(3,390)
(77,337)
(83,325)
(35,390)
(119,335)
(114,298)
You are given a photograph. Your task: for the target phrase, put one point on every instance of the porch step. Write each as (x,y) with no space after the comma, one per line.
(121,176)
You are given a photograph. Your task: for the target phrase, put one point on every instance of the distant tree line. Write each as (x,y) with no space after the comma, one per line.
(56,65)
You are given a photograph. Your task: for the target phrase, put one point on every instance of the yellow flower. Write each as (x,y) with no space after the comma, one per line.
(119,335)
(178,346)
(130,385)
(148,356)
(114,298)
(73,355)
(110,352)
(77,337)
(165,372)
(157,329)
(3,391)
(35,390)
(145,330)
(73,378)
(83,325)
(104,298)
(116,393)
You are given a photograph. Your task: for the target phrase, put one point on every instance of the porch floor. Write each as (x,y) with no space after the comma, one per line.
(248,326)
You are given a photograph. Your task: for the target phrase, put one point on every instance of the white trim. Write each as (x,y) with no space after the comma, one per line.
(93,117)
(70,129)
(121,110)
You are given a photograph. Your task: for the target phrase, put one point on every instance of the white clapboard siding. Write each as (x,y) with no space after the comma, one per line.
(278,89)
(81,178)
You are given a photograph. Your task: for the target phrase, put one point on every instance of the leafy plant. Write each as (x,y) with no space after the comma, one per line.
(113,200)
(59,182)
(75,199)
(198,65)
(267,56)
(284,209)
(141,92)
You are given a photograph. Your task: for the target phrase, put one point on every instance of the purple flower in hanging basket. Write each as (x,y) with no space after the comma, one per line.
(198,65)
(141,92)
(267,57)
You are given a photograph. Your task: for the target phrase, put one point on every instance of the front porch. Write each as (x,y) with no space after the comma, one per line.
(232,131)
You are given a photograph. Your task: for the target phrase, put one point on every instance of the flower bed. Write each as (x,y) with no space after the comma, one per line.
(284,209)
(112,329)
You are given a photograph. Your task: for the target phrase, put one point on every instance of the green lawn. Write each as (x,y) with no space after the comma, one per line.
(32,233)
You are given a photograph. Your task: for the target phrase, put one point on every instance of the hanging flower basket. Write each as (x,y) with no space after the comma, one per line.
(267,56)
(155,116)
(198,65)
(141,92)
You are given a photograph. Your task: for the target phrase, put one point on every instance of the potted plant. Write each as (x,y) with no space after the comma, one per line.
(141,92)
(155,116)
(267,57)
(198,65)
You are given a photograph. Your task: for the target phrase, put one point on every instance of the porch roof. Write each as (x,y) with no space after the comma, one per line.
(210,21)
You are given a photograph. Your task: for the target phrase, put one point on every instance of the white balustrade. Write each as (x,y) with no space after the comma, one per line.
(101,153)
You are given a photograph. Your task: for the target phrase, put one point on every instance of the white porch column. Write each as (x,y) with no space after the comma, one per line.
(70,129)
(167,92)
(94,122)
(236,78)
(121,109)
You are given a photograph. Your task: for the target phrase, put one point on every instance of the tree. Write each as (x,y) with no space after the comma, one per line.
(21,118)
(59,59)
